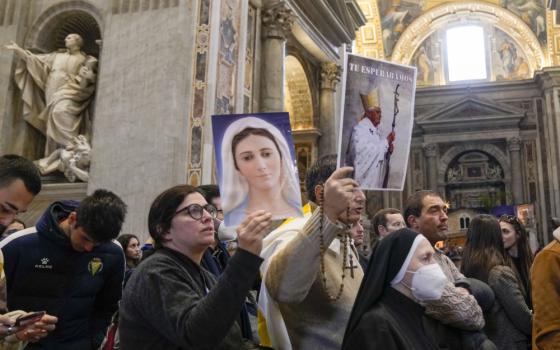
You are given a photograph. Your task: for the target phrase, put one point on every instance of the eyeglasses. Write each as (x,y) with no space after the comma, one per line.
(196,211)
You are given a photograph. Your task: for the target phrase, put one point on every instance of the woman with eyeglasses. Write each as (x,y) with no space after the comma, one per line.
(171,302)
(516,243)
(508,323)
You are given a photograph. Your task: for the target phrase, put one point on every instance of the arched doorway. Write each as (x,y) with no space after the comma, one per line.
(298,102)
(475,179)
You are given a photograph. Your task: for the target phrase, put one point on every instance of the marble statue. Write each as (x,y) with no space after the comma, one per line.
(56,88)
(73,160)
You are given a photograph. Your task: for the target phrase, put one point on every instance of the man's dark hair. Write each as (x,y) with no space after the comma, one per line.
(101,215)
(380,218)
(414,204)
(209,192)
(13,167)
(163,210)
(318,174)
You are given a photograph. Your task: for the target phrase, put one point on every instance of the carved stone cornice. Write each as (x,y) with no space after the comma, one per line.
(548,78)
(430,150)
(330,75)
(277,21)
(514,144)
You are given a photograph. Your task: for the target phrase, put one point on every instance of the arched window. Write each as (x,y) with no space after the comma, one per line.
(466,54)
(297,99)
(464,222)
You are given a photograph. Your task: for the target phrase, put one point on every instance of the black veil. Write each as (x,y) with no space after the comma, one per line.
(385,262)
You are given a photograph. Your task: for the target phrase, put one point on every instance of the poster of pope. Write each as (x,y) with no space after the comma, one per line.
(377,120)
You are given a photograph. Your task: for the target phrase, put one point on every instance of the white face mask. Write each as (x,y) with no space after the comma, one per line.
(428,282)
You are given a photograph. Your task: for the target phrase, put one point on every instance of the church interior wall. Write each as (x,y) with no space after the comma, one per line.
(211,60)
(142,116)
(523,95)
(11,22)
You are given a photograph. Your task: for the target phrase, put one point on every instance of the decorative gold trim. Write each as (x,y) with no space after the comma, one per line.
(442,16)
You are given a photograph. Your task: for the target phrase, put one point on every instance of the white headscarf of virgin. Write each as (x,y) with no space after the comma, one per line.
(234,187)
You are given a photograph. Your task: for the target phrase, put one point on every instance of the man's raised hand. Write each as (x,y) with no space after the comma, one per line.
(338,192)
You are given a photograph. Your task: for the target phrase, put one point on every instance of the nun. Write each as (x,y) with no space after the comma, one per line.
(387,314)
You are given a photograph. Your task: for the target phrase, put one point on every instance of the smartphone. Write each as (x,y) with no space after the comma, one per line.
(23,320)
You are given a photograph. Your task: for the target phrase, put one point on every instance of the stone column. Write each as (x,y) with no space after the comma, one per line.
(548,126)
(514,147)
(330,76)
(276,24)
(430,150)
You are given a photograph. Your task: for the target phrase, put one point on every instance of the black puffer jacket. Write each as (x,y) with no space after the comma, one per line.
(82,289)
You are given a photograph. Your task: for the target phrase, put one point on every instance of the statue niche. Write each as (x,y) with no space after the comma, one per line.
(57,89)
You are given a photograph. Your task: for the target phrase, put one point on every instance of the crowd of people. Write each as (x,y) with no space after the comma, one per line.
(73,281)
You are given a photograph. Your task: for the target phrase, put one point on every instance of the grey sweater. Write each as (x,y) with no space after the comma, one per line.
(163,306)
(509,323)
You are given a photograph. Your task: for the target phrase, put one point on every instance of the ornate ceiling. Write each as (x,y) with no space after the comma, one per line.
(396,29)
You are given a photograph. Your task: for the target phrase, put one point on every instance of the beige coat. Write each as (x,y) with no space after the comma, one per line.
(292,279)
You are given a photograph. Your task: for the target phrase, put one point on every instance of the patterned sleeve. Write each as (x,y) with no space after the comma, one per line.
(456,308)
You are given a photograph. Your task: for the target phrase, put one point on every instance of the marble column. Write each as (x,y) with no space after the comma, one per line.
(330,76)
(276,25)
(430,150)
(514,147)
(548,126)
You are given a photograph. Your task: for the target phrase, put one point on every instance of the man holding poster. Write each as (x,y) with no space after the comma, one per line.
(368,148)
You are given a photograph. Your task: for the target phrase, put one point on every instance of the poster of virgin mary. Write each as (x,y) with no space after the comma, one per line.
(256,166)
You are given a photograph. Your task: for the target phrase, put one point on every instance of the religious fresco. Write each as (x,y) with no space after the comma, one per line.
(531,12)
(230,14)
(508,60)
(428,61)
(199,87)
(249,59)
(396,15)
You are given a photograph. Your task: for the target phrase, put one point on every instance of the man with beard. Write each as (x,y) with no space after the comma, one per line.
(20,182)
(69,265)
(311,273)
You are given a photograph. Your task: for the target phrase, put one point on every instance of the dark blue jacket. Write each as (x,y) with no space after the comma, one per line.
(82,289)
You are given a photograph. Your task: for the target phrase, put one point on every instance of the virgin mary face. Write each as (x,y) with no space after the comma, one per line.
(258,160)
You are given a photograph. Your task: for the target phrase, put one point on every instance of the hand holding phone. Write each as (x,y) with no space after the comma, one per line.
(29,318)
